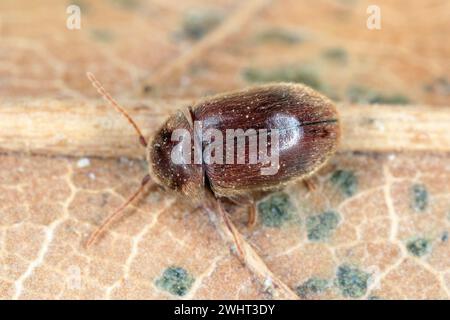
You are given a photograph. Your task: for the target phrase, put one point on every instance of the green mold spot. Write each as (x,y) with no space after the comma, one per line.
(197,23)
(102,35)
(319,227)
(126,4)
(419,247)
(279,35)
(312,286)
(419,195)
(351,281)
(360,94)
(275,210)
(298,74)
(336,54)
(346,181)
(175,280)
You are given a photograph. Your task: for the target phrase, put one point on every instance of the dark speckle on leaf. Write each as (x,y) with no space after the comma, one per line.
(352,281)
(105,196)
(311,287)
(319,227)
(444,236)
(419,197)
(147,88)
(275,210)
(419,247)
(175,280)
(346,180)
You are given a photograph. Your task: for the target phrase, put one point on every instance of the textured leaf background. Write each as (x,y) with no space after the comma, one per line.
(376,226)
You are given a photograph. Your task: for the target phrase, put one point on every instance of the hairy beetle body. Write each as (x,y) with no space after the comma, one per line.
(306,126)
(273,134)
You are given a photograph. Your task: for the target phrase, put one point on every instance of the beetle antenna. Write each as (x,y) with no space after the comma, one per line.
(105,94)
(94,236)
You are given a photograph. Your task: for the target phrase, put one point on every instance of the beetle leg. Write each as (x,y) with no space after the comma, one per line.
(94,236)
(251,215)
(310,184)
(251,209)
(234,233)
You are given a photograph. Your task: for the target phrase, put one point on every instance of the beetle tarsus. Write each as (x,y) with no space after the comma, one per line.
(251,222)
(310,184)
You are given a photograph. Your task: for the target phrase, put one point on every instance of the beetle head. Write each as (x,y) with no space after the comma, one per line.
(165,169)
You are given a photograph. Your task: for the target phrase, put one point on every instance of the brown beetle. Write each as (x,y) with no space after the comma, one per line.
(307,133)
